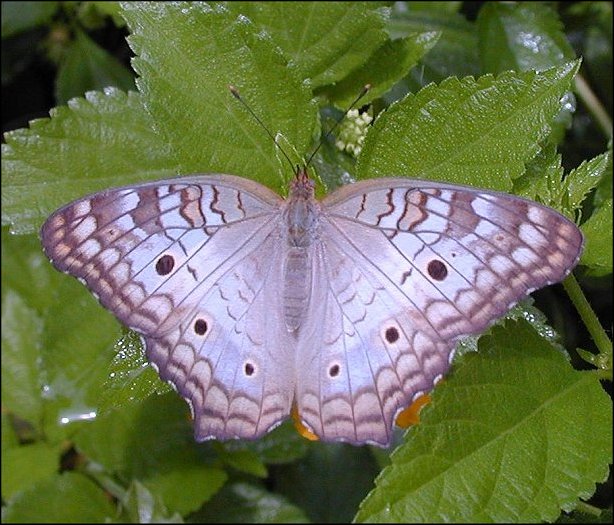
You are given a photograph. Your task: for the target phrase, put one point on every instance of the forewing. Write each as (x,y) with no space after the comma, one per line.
(409,268)
(166,258)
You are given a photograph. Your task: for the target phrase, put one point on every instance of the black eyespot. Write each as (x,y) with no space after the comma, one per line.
(437,270)
(165,265)
(392,334)
(333,371)
(201,327)
(249,369)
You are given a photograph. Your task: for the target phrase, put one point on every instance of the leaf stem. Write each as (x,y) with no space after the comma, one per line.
(593,104)
(603,343)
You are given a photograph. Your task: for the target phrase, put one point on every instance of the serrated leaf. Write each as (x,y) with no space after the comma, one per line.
(248,503)
(63,498)
(543,177)
(597,230)
(104,140)
(387,65)
(544,181)
(504,440)
(477,132)
(131,378)
(207,128)
(521,36)
(326,40)
(85,67)
(582,180)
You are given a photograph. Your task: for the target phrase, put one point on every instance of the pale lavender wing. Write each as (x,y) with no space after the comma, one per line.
(408,268)
(182,262)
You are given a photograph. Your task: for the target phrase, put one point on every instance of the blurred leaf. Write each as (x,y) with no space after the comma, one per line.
(63,498)
(26,465)
(86,66)
(386,66)
(338,476)
(144,507)
(455,53)
(247,503)
(477,132)
(521,36)
(21,383)
(281,445)
(244,460)
(504,440)
(21,16)
(153,442)
(51,378)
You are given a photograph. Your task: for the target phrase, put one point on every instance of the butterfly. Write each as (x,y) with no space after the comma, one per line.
(348,308)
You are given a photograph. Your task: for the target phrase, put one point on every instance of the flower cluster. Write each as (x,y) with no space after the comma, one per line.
(352,132)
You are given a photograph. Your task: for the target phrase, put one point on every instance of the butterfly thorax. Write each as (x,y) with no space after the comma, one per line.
(301,212)
(300,230)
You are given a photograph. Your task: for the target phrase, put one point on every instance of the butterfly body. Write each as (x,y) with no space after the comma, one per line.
(349,307)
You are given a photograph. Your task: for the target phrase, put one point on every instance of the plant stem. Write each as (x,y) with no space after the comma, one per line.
(603,343)
(594,106)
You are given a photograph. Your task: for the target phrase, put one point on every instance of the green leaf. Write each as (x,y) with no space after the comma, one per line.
(281,445)
(76,349)
(326,41)
(477,132)
(142,506)
(598,233)
(21,382)
(247,503)
(104,140)
(244,460)
(153,442)
(207,128)
(544,181)
(585,178)
(338,474)
(131,378)
(521,36)
(456,50)
(86,66)
(64,498)
(22,16)
(25,465)
(50,378)
(386,66)
(504,440)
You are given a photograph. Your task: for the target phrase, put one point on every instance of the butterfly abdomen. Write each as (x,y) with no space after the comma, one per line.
(297,286)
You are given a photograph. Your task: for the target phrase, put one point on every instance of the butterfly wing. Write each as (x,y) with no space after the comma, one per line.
(190,264)
(406,269)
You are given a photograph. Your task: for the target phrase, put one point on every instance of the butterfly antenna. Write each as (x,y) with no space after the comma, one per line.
(235,94)
(364,91)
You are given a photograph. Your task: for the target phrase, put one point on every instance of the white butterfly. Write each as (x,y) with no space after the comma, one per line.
(349,308)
